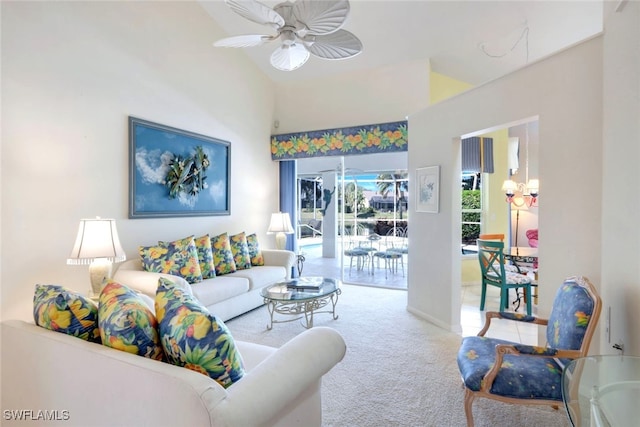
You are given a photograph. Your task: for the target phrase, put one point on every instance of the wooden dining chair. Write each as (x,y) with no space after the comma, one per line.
(496,236)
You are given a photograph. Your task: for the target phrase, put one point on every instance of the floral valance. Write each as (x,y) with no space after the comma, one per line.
(378,138)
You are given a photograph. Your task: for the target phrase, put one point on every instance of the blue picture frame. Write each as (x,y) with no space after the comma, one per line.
(176,173)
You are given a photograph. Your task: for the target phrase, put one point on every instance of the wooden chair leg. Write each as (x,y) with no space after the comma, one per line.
(468,402)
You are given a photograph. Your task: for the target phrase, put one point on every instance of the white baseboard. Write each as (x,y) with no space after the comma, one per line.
(452,328)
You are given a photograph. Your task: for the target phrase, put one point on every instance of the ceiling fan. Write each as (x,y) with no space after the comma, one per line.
(306,27)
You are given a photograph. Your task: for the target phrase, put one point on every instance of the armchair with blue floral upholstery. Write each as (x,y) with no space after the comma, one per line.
(530,375)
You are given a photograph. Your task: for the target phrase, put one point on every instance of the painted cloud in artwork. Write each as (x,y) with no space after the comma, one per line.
(153,165)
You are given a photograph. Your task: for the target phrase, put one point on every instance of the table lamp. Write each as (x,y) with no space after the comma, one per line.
(281,225)
(98,245)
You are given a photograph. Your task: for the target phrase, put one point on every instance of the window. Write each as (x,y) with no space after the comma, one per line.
(471,208)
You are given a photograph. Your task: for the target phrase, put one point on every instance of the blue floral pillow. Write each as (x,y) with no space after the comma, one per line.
(62,310)
(179,258)
(240,251)
(254,250)
(126,323)
(222,255)
(205,256)
(194,338)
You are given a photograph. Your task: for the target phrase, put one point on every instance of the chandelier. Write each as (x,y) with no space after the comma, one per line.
(519,193)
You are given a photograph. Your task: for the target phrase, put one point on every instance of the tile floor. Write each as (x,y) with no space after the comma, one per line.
(472,319)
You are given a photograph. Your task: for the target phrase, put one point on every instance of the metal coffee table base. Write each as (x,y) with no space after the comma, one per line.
(300,308)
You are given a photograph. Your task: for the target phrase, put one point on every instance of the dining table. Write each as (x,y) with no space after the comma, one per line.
(521,254)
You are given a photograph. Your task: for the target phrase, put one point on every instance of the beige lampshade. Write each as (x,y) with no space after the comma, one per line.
(97,244)
(533,186)
(509,186)
(97,238)
(280,223)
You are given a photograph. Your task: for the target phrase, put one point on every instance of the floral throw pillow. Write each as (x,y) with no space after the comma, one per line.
(240,250)
(222,255)
(254,250)
(126,323)
(59,309)
(179,258)
(205,256)
(194,338)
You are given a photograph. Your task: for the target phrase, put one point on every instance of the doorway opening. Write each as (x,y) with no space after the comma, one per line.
(485,209)
(368,217)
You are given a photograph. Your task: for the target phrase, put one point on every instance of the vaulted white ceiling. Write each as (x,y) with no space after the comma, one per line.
(472,41)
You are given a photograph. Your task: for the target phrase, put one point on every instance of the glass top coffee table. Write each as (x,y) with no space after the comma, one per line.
(602,391)
(301,297)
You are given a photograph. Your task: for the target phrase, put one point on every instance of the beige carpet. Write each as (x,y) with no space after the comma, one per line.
(399,370)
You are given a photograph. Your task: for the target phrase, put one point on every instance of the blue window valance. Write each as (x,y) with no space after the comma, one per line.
(477,155)
(377,138)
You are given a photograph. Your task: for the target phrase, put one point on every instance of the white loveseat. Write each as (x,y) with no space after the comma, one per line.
(52,376)
(226,296)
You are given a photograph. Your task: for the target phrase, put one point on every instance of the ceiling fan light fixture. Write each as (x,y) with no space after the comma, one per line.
(305,28)
(289,57)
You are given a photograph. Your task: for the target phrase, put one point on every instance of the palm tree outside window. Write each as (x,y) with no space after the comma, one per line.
(399,184)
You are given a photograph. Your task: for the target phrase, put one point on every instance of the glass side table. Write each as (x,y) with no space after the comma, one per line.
(602,391)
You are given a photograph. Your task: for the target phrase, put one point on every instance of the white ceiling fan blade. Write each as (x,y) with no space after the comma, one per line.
(320,17)
(339,45)
(256,12)
(243,41)
(288,57)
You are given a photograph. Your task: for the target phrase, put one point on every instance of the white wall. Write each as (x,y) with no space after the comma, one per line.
(385,95)
(71,74)
(565,91)
(620,154)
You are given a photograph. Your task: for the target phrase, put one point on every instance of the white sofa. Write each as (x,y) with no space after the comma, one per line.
(86,384)
(226,296)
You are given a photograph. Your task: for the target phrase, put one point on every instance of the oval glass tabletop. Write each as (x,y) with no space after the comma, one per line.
(302,288)
(602,391)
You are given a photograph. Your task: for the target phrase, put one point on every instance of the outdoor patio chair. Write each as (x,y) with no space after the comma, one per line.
(358,248)
(393,252)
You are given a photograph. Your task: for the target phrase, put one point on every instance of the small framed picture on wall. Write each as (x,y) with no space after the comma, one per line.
(427,189)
